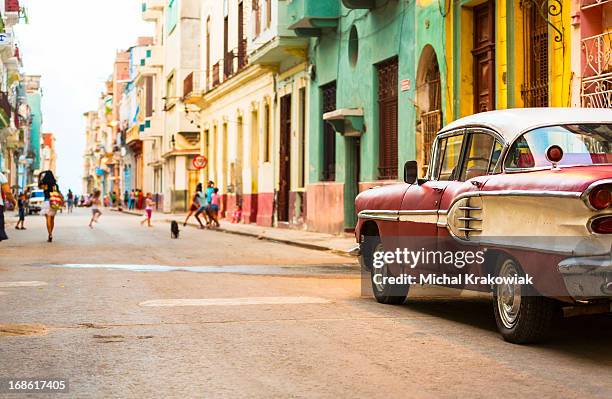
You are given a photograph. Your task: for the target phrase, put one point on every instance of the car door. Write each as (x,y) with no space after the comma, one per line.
(481,154)
(418,215)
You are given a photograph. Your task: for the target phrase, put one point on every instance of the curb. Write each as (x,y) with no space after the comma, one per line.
(255,235)
(277,240)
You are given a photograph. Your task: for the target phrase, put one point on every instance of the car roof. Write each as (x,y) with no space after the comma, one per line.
(510,123)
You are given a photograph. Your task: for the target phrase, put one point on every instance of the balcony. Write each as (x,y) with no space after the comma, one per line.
(359,4)
(152,10)
(586,4)
(596,90)
(309,18)
(153,127)
(11,13)
(154,57)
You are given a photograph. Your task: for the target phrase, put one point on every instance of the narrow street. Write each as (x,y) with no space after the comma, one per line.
(243,317)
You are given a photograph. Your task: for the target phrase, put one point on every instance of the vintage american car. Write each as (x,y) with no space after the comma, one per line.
(531,189)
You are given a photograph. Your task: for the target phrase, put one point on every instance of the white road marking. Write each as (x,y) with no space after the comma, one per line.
(279,300)
(12,284)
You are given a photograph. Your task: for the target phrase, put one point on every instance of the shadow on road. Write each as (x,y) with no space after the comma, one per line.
(587,337)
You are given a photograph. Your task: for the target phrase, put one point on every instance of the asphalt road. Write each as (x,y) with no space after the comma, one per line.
(219,315)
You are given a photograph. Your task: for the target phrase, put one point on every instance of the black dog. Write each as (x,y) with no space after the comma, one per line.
(174,230)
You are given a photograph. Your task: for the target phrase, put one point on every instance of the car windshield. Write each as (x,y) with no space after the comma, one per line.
(38,194)
(583,144)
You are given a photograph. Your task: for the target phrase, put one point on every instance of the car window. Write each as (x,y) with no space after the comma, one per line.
(585,144)
(495,166)
(478,156)
(449,154)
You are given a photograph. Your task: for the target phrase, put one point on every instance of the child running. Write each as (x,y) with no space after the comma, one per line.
(215,200)
(21,203)
(95,208)
(148,210)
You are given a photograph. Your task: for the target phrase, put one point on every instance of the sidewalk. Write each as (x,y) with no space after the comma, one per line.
(339,244)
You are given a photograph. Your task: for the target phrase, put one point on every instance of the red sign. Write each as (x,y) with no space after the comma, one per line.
(200,162)
(11,5)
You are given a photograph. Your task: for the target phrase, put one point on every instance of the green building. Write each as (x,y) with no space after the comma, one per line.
(377,69)
(34,99)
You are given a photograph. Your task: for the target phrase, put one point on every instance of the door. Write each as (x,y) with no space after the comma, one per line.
(484,57)
(419,214)
(387,114)
(284,159)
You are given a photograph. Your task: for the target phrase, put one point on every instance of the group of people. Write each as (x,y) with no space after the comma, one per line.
(53,201)
(205,203)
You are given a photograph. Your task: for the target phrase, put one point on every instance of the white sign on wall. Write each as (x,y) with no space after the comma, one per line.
(5,39)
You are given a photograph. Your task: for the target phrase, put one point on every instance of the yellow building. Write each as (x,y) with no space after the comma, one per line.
(251,97)
(508,53)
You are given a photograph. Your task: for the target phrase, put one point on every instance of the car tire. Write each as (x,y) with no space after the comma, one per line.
(390,294)
(523,316)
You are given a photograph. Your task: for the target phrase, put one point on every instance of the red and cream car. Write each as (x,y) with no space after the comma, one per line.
(530,189)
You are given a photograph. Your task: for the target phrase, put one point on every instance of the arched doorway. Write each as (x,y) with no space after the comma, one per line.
(428,104)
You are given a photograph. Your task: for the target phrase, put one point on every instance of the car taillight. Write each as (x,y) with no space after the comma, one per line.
(602,225)
(600,198)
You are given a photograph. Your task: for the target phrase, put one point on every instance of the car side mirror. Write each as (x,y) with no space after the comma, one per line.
(411,172)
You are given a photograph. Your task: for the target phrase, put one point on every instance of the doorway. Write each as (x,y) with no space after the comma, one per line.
(484,57)
(284,160)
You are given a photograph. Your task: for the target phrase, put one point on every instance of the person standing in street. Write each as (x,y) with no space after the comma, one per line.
(148,203)
(196,204)
(5,195)
(69,201)
(21,203)
(132,200)
(95,208)
(53,200)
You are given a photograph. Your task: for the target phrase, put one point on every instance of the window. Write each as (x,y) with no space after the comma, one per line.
(302,139)
(208,52)
(328,95)
(170,91)
(172,15)
(266,131)
(586,144)
(387,72)
(534,89)
(256,17)
(449,154)
(268,13)
(149,96)
(478,156)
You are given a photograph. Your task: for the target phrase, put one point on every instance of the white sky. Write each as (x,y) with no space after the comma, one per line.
(72,44)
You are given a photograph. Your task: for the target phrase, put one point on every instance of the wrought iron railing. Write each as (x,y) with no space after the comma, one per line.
(596,90)
(216,79)
(585,4)
(431,123)
(242,54)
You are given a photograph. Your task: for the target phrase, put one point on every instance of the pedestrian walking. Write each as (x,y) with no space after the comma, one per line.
(140,199)
(53,200)
(205,209)
(132,200)
(21,204)
(76,201)
(148,210)
(95,203)
(215,201)
(196,204)
(69,201)
(5,195)
(126,199)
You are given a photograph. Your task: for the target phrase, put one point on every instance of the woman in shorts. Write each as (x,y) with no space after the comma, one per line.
(95,208)
(47,182)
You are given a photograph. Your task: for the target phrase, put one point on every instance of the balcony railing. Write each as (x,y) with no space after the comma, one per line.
(596,90)
(242,54)
(228,65)
(216,79)
(585,4)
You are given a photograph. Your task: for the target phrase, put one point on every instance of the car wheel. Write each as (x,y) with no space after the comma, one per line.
(391,294)
(522,315)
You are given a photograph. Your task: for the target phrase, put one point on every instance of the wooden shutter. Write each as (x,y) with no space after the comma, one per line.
(387,111)
(328,93)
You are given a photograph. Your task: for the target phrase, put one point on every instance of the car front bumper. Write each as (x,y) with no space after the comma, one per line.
(588,276)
